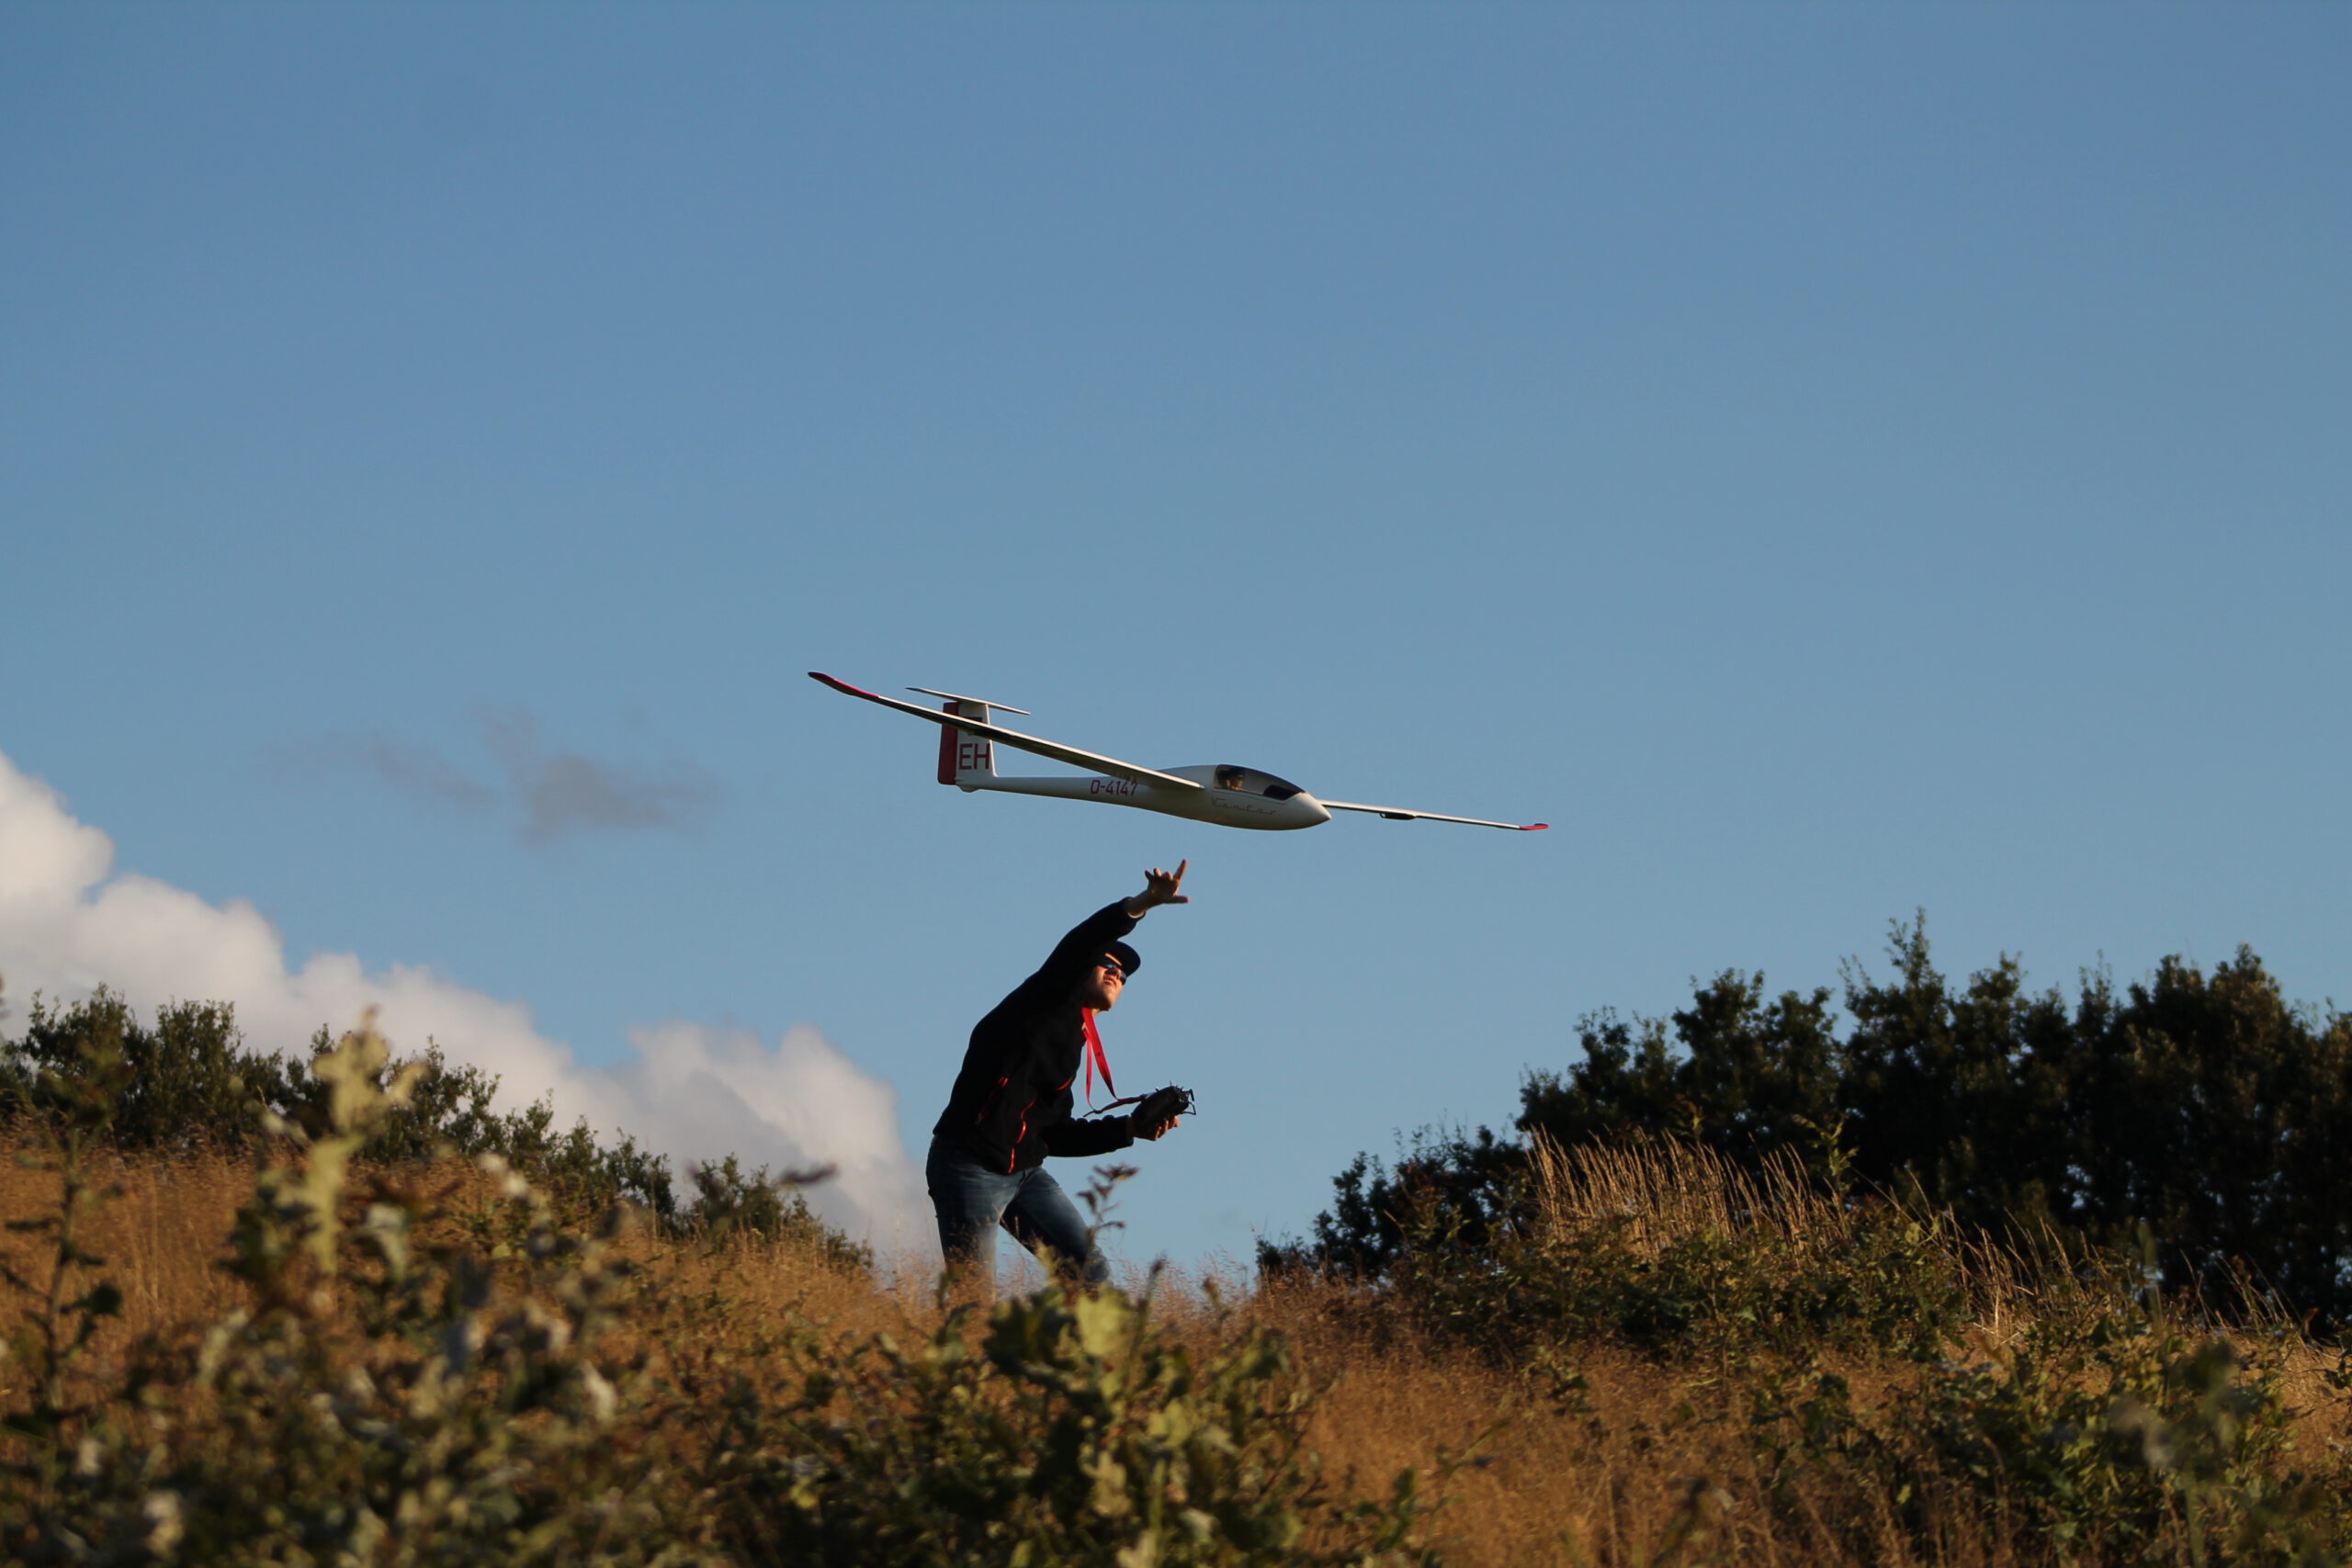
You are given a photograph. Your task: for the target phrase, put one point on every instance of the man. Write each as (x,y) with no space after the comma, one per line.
(1010,1106)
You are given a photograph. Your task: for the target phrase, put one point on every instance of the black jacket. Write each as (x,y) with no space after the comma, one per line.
(1010,1107)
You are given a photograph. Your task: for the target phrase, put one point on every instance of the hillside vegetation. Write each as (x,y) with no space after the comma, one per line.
(2203,1108)
(371,1322)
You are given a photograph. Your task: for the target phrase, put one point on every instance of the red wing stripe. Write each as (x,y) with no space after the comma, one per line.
(845,686)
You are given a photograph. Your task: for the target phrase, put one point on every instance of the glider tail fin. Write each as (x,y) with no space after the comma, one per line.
(965,758)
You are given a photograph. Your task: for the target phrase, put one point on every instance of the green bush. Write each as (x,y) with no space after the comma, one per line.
(192,1085)
(2109,1432)
(732,1204)
(399,1390)
(2203,1104)
(1670,1249)
(1076,1435)
(379,1400)
(189,1083)
(2100,1427)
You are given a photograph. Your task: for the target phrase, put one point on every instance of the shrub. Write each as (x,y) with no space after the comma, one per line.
(191,1084)
(1667,1248)
(731,1204)
(379,1400)
(398,1389)
(187,1081)
(2099,1426)
(2203,1104)
(1076,1435)
(2108,1431)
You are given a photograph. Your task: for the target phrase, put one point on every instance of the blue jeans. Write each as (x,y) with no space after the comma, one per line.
(972,1200)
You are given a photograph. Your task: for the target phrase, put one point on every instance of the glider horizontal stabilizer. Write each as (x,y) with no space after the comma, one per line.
(960,697)
(1398,814)
(1052,749)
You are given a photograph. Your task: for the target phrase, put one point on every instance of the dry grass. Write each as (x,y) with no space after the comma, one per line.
(1663,1191)
(163,1236)
(1644,1460)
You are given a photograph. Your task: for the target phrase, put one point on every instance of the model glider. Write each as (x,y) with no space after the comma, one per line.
(1220,793)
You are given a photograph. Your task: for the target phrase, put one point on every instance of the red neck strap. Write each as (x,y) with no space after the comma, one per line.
(1095,1058)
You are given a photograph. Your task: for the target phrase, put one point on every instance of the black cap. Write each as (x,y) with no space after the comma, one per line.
(1125,957)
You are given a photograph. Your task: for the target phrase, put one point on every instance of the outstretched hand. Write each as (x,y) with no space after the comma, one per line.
(1160,887)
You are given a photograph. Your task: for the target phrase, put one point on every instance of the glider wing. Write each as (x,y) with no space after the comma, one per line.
(1050,749)
(1398,814)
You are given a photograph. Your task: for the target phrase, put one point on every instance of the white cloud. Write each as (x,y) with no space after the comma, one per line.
(68,923)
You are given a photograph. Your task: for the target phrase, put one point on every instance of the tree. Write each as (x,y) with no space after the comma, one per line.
(2208,1107)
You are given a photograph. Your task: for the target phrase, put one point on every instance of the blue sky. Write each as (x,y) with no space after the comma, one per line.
(1829,461)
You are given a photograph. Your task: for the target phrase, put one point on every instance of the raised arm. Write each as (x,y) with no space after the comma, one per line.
(1076,952)
(1160,887)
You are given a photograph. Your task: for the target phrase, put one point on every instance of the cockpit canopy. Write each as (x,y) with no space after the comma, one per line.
(1250,781)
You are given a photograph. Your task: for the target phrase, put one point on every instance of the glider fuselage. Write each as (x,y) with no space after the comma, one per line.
(1254,804)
